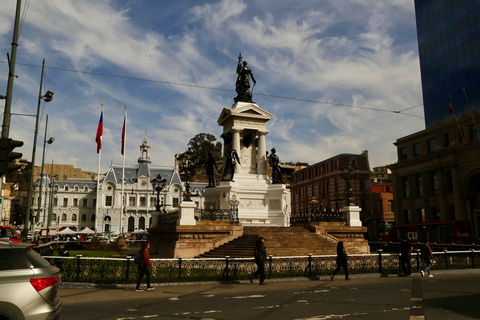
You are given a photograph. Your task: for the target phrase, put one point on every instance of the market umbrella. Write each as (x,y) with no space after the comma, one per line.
(87,230)
(67,231)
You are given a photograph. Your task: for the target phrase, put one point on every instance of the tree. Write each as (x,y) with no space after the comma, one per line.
(202,144)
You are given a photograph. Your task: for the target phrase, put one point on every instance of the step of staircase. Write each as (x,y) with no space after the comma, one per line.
(279,241)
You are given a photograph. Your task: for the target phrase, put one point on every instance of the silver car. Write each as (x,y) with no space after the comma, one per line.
(28,284)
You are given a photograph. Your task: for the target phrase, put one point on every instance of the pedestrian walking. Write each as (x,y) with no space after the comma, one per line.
(260,256)
(143,267)
(341,261)
(427,256)
(405,251)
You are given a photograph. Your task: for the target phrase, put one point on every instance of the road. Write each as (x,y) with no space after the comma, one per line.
(446,296)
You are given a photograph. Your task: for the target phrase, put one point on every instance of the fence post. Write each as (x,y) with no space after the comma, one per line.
(77,276)
(446,259)
(309,264)
(128,269)
(473,257)
(270,257)
(418,259)
(226,266)
(179,268)
(380,269)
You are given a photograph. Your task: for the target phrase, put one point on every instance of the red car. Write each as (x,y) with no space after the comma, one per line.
(10,233)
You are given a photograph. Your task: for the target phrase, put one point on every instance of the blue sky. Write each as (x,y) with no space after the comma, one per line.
(321,56)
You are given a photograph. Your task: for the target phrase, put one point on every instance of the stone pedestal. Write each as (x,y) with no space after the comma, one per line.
(353,215)
(187,214)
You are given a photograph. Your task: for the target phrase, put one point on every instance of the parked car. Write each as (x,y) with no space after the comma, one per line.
(28,284)
(10,233)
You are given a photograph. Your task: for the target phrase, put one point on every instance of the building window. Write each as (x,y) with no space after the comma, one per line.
(403,154)
(75,202)
(74,217)
(85,202)
(432,145)
(435,182)
(54,217)
(92,219)
(66,188)
(64,217)
(417,149)
(153,201)
(436,213)
(65,202)
(406,214)
(446,140)
(83,218)
(390,206)
(55,202)
(131,201)
(94,204)
(143,201)
(175,203)
(474,132)
(419,185)
(75,188)
(85,189)
(108,201)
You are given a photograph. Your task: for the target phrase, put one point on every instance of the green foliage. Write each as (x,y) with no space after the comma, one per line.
(202,144)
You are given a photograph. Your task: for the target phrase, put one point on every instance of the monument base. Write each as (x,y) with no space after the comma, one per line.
(261,203)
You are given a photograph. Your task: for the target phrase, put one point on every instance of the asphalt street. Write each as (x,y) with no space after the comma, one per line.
(448,295)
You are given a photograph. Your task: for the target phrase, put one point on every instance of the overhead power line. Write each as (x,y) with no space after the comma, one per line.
(227,90)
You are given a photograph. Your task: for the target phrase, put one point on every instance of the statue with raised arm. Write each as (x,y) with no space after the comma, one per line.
(230,163)
(274,161)
(242,86)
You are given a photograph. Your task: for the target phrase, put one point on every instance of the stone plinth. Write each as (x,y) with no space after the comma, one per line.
(187,214)
(353,215)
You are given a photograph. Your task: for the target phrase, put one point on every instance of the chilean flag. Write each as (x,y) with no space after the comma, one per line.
(98,139)
(123,137)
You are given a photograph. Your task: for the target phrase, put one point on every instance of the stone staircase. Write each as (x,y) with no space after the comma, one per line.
(279,241)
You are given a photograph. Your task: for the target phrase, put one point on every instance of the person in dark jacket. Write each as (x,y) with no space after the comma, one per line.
(341,261)
(260,255)
(405,251)
(143,267)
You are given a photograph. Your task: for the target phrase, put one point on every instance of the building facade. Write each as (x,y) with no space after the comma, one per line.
(437,176)
(382,201)
(326,184)
(72,202)
(448,33)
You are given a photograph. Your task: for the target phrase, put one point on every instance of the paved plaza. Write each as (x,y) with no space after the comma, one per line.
(448,295)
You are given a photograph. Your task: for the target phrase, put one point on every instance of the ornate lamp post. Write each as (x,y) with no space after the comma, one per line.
(158,184)
(349,173)
(188,162)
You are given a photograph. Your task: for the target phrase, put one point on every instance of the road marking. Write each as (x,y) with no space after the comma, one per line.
(246,297)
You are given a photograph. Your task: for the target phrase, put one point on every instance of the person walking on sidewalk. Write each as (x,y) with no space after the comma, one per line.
(341,261)
(427,256)
(260,256)
(143,267)
(405,251)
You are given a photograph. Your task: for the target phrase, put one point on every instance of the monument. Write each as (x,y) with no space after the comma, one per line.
(262,201)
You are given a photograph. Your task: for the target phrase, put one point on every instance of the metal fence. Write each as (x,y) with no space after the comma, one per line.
(124,270)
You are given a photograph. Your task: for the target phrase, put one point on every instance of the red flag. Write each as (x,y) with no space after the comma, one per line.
(132,191)
(123,138)
(98,139)
(450,107)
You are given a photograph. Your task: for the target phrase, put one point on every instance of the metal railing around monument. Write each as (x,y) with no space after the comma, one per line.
(124,270)
(230,214)
(317,216)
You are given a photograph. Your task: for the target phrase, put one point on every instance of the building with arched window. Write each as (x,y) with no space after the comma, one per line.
(72,202)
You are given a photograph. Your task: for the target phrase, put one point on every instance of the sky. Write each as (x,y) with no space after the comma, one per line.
(338,76)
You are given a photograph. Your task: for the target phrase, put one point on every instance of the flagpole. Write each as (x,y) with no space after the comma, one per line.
(124,142)
(456,118)
(99,141)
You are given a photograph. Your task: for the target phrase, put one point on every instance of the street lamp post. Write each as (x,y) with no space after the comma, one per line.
(158,184)
(49,141)
(47,98)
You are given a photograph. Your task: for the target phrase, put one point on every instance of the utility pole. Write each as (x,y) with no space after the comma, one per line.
(11,74)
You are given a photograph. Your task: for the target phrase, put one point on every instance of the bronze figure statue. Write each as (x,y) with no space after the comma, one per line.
(274,161)
(209,166)
(232,158)
(242,86)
